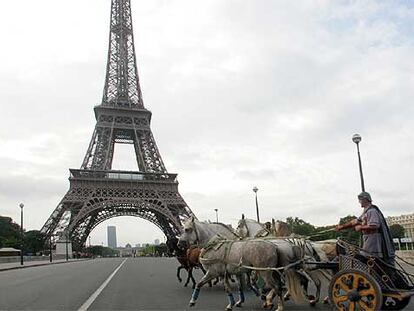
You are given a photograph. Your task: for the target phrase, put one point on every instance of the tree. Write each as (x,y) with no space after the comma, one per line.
(34,241)
(98,250)
(349,235)
(299,226)
(397,231)
(9,233)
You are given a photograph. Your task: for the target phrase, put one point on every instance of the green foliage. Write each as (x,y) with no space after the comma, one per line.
(98,250)
(349,235)
(397,231)
(299,226)
(34,241)
(9,233)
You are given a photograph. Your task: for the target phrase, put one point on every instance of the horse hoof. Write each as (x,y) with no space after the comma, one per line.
(191,304)
(268,306)
(311,297)
(312,303)
(326,301)
(238,304)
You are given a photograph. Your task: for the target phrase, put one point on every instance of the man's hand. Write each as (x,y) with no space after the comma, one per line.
(338,228)
(358,228)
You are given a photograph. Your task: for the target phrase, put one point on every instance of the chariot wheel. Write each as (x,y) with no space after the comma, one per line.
(355,290)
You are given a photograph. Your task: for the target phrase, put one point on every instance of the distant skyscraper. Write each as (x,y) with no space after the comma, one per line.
(112,237)
(157,242)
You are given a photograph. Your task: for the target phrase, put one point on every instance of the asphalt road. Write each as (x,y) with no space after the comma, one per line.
(113,284)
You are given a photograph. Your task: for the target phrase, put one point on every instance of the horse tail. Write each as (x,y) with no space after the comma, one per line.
(294,286)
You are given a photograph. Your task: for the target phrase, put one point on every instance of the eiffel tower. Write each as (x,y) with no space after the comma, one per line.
(97,192)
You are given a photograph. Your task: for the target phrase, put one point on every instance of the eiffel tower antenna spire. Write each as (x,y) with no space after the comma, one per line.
(122,87)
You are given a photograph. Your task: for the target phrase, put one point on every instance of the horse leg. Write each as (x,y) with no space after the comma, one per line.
(315,299)
(230,296)
(251,284)
(189,276)
(269,283)
(207,277)
(241,293)
(178,273)
(210,284)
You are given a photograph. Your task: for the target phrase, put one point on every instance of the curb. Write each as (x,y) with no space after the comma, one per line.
(41,264)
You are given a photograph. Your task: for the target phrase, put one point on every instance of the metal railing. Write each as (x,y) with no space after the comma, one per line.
(121,175)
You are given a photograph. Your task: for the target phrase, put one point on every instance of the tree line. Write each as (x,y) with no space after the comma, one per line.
(10,236)
(34,240)
(303,228)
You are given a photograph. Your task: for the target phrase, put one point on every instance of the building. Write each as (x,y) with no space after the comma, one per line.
(111,237)
(406,221)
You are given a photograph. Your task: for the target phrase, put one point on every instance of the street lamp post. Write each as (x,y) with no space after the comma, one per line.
(357,139)
(21,233)
(216,210)
(67,251)
(50,250)
(255,189)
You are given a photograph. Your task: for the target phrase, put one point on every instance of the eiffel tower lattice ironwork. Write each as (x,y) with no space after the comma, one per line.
(97,192)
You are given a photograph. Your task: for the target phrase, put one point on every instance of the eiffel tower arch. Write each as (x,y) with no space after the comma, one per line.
(97,192)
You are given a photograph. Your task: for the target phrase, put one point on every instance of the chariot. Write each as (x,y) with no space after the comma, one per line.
(364,282)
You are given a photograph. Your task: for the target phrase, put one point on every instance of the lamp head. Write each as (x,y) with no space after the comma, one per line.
(255,189)
(356,138)
(21,205)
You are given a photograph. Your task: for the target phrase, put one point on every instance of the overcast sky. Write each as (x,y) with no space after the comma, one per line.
(243,93)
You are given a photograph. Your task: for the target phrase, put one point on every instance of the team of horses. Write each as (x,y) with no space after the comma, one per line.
(254,251)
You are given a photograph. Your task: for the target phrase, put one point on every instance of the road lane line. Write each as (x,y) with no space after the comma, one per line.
(92,298)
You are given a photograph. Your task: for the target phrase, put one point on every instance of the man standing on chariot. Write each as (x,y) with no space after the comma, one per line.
(377,240)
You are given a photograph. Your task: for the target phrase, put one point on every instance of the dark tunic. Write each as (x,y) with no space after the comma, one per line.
(377,244)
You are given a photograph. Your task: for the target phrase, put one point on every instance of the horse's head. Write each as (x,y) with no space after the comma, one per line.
(172,245)
(242,230)
(189,236)
(282,229)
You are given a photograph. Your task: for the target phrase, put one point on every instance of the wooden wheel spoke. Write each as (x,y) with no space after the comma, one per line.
(364,305)
(342,286)
(355,282)
(367,292)
(341,298)
(351,306)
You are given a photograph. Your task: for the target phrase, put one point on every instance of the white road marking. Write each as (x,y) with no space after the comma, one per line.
(92,298)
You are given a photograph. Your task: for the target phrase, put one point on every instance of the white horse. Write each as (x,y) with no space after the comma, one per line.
(322,251)
(207,231)
(222,257)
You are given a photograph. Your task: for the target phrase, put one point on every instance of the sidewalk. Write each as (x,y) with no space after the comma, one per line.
(27,264)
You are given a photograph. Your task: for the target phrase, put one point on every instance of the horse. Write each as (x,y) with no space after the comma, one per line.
(249,228)
(323,251)
(188,259)
(240,257)
(201,237)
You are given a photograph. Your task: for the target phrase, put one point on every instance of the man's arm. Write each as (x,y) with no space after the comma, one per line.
(373,221)
(353,223)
